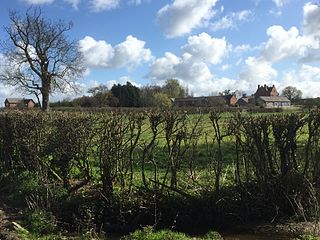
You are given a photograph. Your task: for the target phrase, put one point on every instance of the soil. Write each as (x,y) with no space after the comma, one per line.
(279,231)
(8,215)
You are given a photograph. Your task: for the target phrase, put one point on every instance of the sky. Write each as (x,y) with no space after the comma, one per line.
(208,45)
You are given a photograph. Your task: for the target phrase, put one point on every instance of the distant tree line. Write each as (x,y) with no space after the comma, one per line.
(128,95)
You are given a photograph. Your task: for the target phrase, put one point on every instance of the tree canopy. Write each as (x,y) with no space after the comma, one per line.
(40,59)
(127,95)
(292,93)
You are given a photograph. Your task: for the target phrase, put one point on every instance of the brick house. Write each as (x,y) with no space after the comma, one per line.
(211,101)
(19,103)
(265,97)
(266,91)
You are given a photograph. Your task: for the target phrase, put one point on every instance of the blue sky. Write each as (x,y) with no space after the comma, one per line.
(209,45)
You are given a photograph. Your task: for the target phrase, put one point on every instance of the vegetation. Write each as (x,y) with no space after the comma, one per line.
(128,95)
(148,233)
(292,93)
(117,171)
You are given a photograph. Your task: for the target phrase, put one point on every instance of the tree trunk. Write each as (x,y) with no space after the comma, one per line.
(45,91)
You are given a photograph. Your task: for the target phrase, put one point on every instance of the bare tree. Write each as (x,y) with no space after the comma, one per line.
(291,93)
(39,57)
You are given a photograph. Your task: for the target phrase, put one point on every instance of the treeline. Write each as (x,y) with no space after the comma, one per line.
(118,171)
(128,95)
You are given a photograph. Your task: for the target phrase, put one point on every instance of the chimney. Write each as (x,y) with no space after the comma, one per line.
(258,86)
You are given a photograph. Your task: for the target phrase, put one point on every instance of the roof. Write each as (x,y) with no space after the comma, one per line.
(14,100)
(245,99)
(187,99)
(18,100)
(274,99)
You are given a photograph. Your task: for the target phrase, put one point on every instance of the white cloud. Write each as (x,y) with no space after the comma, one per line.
(244,48)
(232,20)
(311,14)
(280,3)
(258,71)
(164,68)
(284,44)
(225,67)
(192,67)
(74,3)
(36,2)
(190,72)
(306,79)
(182,16)
(205,48)
(100,54)
(101,5)
(122,80)
(185,68)
(6,91)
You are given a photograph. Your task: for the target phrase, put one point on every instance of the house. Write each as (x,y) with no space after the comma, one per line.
(245,101)
(272,102)
(211,101)
(19,103)
(266,91)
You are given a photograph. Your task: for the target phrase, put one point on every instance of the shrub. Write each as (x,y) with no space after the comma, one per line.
(148,233)
(41,222)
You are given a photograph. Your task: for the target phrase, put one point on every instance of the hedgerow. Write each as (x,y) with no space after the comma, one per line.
(116,171)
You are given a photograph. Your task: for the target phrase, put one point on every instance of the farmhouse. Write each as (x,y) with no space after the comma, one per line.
(19,103)
(211,101)
(266,97)
(266,91)
(273,102)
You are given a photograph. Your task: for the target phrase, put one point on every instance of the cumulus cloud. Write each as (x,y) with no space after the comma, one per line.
(243,48)
(192,67)
(38,1)
(258,70)
(284,44)
(311,14)
(306,79)
(289,45)
(100,54)
(182,16)
(206,48)
(101,5)
(199,51)
(195,74)
(232,20)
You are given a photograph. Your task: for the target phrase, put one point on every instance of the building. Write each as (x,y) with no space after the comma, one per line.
(211,101)
(266,97)
(245,101)
(273,102)
(266,91)
(19,103)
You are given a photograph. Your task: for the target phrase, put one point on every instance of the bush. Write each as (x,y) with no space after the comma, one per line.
(41,222)
(148,233)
